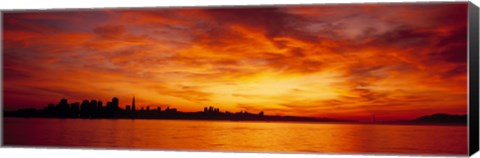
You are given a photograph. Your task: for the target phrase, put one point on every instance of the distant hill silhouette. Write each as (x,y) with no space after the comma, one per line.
(442,119)
(434,119)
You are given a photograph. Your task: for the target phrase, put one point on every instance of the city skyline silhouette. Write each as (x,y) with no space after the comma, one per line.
(95,109)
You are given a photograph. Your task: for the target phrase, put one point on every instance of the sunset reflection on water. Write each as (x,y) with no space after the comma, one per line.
(237,136)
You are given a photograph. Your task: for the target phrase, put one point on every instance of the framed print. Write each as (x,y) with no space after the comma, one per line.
(378,78)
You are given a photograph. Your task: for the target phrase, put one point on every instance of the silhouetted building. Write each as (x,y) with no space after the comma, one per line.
(133,104)
(93,103)
(84,110)
(51,107)
(171,110)
(100,106)
(127,108)
(159,109)
(115,103)
(63,102)
(109,106)
(92,108)
(62,109)
(210,109)
(75,109)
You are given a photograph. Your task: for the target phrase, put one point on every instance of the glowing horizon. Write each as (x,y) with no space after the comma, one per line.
(339,61)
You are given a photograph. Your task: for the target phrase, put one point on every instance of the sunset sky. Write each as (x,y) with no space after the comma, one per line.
(399,61)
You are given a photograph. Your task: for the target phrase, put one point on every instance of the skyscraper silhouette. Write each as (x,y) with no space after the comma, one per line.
(133,104)
(75,109)
(100,106)
(115,103)
(84,108)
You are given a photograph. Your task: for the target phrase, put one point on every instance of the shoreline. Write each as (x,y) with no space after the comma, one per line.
(265,121)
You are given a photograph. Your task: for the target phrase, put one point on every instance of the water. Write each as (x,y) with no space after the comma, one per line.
(237,136)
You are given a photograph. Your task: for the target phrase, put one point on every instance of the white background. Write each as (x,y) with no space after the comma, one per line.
(88,153)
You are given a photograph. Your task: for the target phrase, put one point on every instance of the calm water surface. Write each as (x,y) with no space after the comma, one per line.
(237,136)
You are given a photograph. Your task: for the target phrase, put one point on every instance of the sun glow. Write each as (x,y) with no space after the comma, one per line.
(296,60)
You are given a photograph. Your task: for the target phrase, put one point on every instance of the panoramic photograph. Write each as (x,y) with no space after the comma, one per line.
(342,79)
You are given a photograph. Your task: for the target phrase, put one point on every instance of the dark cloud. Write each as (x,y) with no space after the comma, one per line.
(403,37)
(13,74)
(110,31)
(453,54)
(459,70)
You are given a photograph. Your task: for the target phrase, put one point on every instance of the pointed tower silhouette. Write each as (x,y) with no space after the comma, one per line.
(133,104)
